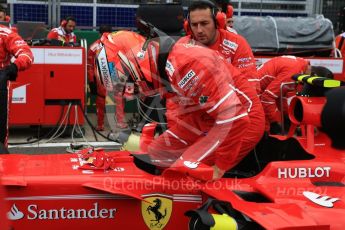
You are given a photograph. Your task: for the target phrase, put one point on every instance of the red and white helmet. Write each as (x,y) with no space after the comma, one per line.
(128,56)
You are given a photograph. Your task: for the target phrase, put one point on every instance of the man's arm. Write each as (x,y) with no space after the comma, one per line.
(271,95)
(20,50)
(218,100)
(53,34)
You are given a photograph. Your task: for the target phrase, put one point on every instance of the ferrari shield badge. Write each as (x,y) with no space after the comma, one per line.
(156,211)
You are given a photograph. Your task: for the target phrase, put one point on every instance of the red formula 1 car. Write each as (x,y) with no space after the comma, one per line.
(293,181)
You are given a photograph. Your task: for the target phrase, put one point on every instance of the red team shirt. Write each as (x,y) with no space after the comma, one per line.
(235,50)
(271,75)
(12,43)
(213,118)
(59,33)
(237,53)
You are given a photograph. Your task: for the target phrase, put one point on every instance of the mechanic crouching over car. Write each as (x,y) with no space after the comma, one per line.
(12,45)
(215,108)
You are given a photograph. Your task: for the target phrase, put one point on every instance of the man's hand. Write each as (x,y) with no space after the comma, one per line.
(11,72)
(217,172)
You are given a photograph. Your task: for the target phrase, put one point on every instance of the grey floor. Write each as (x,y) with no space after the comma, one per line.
(44,142)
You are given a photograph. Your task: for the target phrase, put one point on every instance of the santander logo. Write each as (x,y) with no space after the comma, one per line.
(14,213)
(36,212)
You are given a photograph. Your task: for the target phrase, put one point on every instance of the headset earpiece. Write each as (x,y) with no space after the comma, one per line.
(63,23)
(229,11)
(221,20)
(186,27)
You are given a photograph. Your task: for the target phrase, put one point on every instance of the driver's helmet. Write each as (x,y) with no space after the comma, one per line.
(126,56)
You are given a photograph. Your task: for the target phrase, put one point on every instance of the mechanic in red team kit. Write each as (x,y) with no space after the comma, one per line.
(271,75)
(340,43)
(64,32)
(228,10)
(12,45)
(3,15)
(215,118)
(205,23)
(97,88)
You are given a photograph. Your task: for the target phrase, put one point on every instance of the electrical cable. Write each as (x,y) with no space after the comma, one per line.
(55,135)
(76,123)
(45,135)
(145,116)
(93,128)
(74,145)
(143,103)
(62,119)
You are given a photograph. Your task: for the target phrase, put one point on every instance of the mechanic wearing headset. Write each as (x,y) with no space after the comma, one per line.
(64,32)
(3,15)
(228,10)
(205,25)
(216,118)
(230,20)
(97,88)
(12,45)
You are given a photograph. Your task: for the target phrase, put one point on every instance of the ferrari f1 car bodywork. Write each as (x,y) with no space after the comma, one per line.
(290,182)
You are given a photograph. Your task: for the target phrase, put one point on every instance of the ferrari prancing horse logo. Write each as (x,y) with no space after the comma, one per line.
(156,212)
